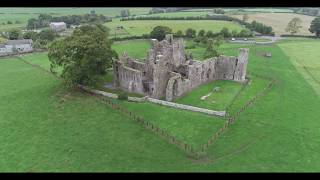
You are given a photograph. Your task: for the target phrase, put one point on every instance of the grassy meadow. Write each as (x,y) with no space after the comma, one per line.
(140,27)
(45,127)
(23,14)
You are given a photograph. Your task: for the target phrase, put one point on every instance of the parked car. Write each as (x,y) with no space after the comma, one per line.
(233,39)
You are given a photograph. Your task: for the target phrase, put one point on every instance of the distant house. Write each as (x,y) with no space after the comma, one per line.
(12,47)
(58,26)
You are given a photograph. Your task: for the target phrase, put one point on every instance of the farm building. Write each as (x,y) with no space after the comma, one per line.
(12,47)
(58,26)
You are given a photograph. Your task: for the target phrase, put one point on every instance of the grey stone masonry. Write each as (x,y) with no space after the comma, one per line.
(169,72)
(187,107)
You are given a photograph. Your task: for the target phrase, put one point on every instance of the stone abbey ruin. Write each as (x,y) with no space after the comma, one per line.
(169,73)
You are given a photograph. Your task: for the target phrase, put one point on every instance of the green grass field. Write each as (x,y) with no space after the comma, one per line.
(305,55)
(139,51)
(140,27)
(217,100)
(23,14)
(43,128)
(180,14)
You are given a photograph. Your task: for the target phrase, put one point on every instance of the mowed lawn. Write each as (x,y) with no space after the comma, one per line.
(140,27)
(279,21)
(40,132)
(216,100)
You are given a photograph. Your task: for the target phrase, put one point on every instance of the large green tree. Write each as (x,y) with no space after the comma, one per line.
(159,32)
(315,26)
(84,56)
(294,25)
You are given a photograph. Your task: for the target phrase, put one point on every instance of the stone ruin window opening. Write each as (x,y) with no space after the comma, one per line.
(208,73)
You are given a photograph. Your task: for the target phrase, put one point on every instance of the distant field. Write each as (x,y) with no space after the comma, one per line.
(136,48)
(180,14)
(279,21)
(268,10)
(141,27)
(23,14)
(277,10)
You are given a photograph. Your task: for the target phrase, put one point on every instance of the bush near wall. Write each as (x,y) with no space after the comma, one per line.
(302,36)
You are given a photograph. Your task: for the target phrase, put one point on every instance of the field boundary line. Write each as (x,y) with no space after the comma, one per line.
(311,75)
(38,67)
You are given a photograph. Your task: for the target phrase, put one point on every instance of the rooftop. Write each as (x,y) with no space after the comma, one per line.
(20,41)
(57,23)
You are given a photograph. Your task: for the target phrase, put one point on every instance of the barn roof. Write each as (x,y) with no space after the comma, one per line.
(57,23)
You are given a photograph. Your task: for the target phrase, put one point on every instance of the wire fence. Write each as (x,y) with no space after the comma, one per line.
(189,149)
(231,119)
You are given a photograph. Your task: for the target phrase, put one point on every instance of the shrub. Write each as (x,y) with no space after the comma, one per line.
(123,96)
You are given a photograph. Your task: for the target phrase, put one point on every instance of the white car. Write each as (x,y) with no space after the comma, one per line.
(233,39)
(245,39)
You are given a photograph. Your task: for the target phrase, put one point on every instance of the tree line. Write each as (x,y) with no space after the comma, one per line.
(253,26)
(44,20)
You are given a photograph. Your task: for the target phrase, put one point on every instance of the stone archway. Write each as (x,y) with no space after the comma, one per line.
(171,87)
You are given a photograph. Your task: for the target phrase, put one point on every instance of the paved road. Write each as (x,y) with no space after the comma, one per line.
(272,39)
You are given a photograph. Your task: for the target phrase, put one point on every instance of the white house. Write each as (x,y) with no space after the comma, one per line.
(12,47)
(58,26)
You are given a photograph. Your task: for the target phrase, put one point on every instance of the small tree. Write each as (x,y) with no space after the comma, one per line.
(209,34)
(315,26)
(211,50)
(245,17)
(9,22)
(14,34)
(245,33)
(123,96)
(234,33)
(294,25)
(47,34)
(225,32)
(201,33)
(179,33)
(84,56)
(190,33)
(30,35)
(159,32)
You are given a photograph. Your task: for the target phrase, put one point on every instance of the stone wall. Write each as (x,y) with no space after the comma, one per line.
(128,78)
(186,107)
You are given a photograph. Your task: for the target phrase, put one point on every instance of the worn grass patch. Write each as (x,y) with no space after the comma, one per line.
(216,100)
